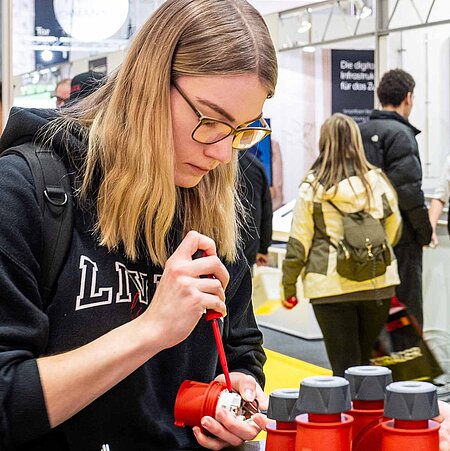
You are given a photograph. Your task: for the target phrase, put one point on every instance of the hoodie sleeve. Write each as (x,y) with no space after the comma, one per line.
(300,240)
(23,324)
(242,338)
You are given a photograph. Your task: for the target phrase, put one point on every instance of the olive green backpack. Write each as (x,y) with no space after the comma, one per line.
(363,253)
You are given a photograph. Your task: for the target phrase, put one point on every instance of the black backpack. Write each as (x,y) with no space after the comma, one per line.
(54,194)
(363,253)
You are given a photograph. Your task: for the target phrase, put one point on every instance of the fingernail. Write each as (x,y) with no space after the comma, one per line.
(249,394)
(205,422)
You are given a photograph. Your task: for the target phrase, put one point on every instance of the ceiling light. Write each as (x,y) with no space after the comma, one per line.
(304,26)
(46,56)
(309,49)
(365,12)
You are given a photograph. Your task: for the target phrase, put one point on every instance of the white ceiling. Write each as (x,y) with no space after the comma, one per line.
(272,6)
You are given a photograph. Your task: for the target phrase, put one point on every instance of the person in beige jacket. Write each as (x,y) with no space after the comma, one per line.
(351,314)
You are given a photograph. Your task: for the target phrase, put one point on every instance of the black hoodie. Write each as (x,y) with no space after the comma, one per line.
(98,290)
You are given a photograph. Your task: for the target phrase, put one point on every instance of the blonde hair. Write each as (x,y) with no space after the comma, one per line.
(340,146)
(129,130)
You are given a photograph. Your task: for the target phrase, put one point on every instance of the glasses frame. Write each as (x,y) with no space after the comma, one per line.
(202,119)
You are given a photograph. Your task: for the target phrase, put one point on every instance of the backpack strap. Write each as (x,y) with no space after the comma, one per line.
(323,232)
(54,195)
(336,208)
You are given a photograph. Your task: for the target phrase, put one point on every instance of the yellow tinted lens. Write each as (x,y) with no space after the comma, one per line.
(209,132)
(248,138)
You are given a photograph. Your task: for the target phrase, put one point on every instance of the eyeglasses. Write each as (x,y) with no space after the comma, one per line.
(210,130)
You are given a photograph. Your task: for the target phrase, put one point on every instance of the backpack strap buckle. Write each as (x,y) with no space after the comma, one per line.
(57,196)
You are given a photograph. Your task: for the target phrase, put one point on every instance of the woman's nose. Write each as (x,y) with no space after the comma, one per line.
(221,151)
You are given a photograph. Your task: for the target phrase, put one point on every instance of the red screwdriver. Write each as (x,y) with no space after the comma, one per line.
(213,316)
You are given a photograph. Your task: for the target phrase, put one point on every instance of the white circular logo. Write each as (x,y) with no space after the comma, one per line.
(91,20)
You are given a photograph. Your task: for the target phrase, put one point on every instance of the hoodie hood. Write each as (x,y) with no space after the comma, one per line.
(26,125)
(351,195)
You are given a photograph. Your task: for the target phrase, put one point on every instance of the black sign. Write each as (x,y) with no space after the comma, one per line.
(45,24)
(353,83)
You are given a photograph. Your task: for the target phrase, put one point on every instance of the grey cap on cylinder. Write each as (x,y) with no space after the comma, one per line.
(368,383)
(411,400)
(281,403)
(323,395)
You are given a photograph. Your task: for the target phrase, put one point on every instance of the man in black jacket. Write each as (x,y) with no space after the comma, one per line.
(390,143)
(255,195)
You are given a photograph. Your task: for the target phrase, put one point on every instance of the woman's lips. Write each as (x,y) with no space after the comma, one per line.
(198,170)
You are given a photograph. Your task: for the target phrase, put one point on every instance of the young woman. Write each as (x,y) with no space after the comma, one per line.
(350,313)
(152,157)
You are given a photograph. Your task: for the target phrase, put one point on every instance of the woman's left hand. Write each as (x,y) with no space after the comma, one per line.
(226,428)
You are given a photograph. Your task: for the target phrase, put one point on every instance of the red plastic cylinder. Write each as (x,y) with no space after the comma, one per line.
(367,415)
(313,434)
(195,400)
(369,439)
(281,437)
(410,435)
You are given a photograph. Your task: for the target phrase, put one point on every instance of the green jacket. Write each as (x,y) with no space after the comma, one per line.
(310,254)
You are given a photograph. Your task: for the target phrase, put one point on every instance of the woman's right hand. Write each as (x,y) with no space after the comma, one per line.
(182,296)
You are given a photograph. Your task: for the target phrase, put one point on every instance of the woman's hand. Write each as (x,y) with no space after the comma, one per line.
(182,296)
(262,421)
(226,428)
(262,259)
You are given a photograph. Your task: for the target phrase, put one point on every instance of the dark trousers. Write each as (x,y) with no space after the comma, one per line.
(409,292)
(350,330)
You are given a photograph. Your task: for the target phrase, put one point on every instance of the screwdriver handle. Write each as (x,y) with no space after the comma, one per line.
(210,314)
